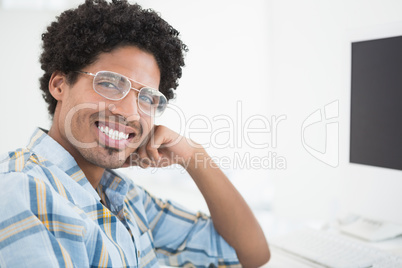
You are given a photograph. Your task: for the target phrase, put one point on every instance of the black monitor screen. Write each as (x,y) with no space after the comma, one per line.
(376,103)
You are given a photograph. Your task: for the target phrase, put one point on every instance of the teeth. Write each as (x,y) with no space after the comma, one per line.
(114,134)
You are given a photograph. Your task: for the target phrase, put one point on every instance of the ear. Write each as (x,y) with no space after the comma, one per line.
(58,85)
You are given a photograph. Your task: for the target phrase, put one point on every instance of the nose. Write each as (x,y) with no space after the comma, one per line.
(128,107)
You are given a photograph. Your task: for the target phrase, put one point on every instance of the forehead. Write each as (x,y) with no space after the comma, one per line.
(131,62)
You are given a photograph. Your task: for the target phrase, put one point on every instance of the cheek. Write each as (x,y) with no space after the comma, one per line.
(71,123)
(76,119)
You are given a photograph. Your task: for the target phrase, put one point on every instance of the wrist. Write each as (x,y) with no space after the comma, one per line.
(199,159)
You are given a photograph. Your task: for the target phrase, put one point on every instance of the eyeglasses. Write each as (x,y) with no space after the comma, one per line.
(114,86)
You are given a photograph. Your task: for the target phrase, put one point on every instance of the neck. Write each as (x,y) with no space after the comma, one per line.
(92,172)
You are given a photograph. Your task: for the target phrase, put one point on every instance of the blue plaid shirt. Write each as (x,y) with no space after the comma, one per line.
(51,216)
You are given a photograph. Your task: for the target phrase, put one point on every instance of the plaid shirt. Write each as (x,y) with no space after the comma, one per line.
(51,216)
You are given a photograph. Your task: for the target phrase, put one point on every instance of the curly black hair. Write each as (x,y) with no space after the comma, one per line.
(79,35)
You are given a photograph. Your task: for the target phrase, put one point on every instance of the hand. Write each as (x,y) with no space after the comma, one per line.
(231,216)
(163,147)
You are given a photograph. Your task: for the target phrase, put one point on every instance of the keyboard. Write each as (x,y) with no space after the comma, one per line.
(326,249)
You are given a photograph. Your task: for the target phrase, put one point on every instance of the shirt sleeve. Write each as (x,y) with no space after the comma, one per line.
(182,237)
(32,233)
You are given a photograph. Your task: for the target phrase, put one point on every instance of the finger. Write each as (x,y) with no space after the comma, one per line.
(152,150)
(158,141)
(154,141)
(143,160)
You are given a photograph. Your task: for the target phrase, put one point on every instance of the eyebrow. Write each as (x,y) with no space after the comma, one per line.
(144,85)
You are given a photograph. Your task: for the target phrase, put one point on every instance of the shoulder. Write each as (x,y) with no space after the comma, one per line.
(19,194)
(14,160)
(24,178)
(20,160)
(14,186)
(13,171)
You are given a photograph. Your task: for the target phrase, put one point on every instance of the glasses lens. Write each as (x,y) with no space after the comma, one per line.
(151,101)
(111,85)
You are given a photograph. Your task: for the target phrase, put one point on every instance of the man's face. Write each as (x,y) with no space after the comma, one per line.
(100,131)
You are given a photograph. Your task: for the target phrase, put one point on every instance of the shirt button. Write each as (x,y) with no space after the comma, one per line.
(138,253)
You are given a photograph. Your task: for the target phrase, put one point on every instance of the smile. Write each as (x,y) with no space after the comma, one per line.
(113,134)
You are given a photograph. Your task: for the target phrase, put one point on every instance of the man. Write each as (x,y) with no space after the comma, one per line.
(109,69)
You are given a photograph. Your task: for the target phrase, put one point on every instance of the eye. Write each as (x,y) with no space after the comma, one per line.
(145,99)
(107,85)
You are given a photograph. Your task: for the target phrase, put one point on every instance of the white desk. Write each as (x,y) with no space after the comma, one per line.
(277,226)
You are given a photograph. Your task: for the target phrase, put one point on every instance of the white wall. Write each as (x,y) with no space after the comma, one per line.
(282,59)
(21,103)
(311,68)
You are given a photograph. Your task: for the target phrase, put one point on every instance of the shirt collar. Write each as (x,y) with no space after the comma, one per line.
(47,148)
(115,188)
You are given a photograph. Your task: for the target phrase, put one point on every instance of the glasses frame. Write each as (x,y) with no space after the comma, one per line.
(125,94)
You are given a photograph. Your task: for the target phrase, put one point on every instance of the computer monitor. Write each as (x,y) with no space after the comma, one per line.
(376,103)
(372,180)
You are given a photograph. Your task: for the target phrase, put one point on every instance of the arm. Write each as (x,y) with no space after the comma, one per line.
(231,216)
(181,237)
